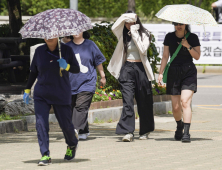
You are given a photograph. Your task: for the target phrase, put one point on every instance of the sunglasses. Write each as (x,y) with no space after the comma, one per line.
(175,24)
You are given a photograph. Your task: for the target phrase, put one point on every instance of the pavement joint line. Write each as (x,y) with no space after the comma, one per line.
(209,108)
(203,86)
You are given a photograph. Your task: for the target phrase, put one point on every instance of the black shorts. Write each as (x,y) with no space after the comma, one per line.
(181,77)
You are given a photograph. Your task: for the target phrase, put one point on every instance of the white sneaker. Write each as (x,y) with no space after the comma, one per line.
(84,136)
(144,137)
(76,133)
(128,137)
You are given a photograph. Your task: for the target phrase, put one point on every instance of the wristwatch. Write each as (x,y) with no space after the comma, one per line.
(189,48)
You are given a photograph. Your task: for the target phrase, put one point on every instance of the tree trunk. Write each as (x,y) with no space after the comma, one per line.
(190,2)
(131,5)
(15,17)
(200,2)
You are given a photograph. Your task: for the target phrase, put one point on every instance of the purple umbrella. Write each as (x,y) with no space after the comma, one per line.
(55,23)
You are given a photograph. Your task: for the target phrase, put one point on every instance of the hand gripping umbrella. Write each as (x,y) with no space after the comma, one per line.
(55,23)
(187,14)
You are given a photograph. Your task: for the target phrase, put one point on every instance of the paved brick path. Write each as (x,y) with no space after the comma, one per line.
(104,150)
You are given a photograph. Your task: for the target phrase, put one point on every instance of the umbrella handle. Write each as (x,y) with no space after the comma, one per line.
(60,70)
(204,30)
(59,48)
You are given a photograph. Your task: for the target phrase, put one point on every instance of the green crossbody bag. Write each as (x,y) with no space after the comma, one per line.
(165,73)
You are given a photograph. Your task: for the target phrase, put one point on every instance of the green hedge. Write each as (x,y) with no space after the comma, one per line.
(106,41)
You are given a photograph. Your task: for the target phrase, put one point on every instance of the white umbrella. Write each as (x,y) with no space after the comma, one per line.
(186,14)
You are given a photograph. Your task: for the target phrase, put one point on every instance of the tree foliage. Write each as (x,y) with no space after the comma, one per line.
(3,7)
(103,8)
(32,7)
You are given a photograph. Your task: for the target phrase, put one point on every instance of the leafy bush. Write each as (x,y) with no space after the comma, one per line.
(158,90)
(105,94)
(108,93)
(4,116)
(106,41)
(152,55)
(5,30)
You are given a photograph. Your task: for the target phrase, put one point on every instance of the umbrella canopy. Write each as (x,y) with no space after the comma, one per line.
(186,14)
(55,23)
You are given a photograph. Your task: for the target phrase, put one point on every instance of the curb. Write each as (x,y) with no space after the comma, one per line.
(13,126)
(106,114)
(31,119)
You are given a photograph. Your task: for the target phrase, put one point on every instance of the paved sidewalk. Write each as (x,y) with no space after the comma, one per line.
(104,151)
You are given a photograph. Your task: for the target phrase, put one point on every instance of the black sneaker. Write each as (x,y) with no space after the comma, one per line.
(70,152)
(179,132)
(186,138)
(45,160)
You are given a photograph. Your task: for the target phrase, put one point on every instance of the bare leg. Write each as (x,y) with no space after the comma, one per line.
(176,105)
(186,98)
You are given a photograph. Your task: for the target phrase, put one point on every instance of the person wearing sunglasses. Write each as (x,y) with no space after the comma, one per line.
(182,76)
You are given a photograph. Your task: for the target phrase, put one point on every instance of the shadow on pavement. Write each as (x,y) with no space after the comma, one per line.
(59,161)
(172,139)
(88,139)
(26,137)
(56,135)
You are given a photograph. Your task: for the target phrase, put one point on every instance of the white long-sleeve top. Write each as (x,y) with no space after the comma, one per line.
(119,58)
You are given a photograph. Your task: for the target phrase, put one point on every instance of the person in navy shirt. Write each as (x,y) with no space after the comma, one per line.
(52,89)
(90,58)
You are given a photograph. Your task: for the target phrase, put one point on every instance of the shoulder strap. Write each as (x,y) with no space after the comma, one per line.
(178,49)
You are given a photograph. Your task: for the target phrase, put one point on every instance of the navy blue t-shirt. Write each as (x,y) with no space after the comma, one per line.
(89,56)
(50,86)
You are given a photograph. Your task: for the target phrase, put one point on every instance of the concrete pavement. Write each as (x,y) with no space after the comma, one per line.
(104,150)
(209,92)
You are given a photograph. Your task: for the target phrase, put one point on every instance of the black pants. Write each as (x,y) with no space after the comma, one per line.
(133,81)
(80,107)
(63,114)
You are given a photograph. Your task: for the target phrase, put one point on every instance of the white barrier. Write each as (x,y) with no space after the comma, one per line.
(211,44)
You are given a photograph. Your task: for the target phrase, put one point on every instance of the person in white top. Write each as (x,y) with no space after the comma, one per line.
(129,64)
(218,5)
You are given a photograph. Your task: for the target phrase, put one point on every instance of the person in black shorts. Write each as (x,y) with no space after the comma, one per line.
(182,76)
